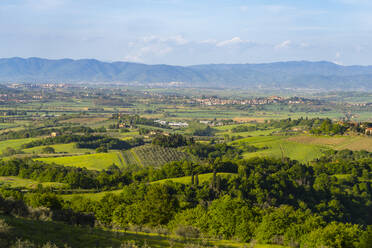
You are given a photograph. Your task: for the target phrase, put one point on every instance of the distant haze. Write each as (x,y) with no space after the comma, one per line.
(296,74)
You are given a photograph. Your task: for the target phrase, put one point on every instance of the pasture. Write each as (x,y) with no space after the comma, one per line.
(336,142)
(202,178)
(59,148)
(91,196)
(14,143)
(17,182)
(97,161)
(278,146)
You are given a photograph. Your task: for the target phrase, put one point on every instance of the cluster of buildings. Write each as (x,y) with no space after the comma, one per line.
(37,85)
(172,124)
(255,101)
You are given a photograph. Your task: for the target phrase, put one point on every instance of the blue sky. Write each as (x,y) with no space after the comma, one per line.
(185,32)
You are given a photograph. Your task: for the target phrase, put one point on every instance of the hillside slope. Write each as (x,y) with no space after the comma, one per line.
(300,74)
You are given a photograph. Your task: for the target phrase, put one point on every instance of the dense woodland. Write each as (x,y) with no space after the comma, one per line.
(268,200)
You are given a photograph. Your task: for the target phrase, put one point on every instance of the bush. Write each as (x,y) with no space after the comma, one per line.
(48,149)
(8,152)
(187,232)
(335,235)
(4,227)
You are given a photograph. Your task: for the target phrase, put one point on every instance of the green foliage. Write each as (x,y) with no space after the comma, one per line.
(8,152)
(366,238)
(48,200)
(327,127)
(83,141)
(48,149)
(171,140)
(337,235)
(207,131)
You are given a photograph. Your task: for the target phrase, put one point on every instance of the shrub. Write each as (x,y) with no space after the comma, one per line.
(187,232)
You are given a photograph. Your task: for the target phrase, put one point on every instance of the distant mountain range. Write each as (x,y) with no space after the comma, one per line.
(296,74)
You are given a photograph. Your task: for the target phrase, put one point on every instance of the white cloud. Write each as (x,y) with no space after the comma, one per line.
(233,41)
(152,47)
(177,39)
(337,62)
(304,45)
(209,41)
(275,9)
(284,44)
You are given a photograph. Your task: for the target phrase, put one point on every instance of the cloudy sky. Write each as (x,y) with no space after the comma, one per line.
(185,32)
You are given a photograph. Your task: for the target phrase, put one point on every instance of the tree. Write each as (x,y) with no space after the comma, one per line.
(366,238)
(101,149)
(48,149)
(8,152)
(160,204)
(106,207)
(335,235)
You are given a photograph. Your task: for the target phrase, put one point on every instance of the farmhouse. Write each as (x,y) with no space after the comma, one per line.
(178,124)
(53,134)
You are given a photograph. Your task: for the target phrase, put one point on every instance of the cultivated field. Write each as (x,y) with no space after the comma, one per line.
(151,155)
(338,142)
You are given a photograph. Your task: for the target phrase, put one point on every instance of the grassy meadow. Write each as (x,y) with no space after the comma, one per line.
(336,142)
(278,146)
(97,161)
(202,178)
(17,182)
(59,148)
(14,143)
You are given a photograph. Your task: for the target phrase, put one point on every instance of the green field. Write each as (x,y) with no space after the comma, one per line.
(59,148)
(245,134)
(14,143)
(202,178)
(355,143)
(278,146)
(303,148)
(98,161)
(92,196)
(17,182)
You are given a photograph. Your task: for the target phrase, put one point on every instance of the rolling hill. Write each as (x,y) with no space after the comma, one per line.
(295,74)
